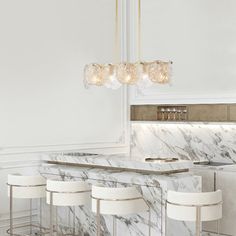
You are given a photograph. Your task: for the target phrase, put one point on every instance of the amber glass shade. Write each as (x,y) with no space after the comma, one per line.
(159,72)
(128,73)
(94,75)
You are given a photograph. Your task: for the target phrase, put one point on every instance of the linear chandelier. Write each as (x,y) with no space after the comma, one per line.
(140,73)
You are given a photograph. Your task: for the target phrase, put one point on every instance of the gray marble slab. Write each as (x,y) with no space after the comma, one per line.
(189,141)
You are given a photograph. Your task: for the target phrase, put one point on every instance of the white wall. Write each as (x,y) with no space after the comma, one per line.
(44,46)
(199,36)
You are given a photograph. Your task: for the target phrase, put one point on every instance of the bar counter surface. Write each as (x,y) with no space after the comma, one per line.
(119,161)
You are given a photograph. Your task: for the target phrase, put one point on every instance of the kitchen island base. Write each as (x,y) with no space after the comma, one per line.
(153,188)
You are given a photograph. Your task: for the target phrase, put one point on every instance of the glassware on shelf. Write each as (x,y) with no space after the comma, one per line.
(168,114)
(185,114)
(179,112)
(163,113)
(174,113)
(171,113)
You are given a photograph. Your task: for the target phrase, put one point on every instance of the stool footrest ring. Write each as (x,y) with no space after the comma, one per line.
(45,231)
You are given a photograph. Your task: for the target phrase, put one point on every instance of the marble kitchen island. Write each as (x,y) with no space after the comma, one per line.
(153,179)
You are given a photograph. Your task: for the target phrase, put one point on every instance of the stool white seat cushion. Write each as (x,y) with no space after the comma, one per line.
(68,193)
(183,205)
(118,201)
(26,186)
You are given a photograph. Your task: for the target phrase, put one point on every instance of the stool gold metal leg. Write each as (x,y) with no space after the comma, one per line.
(78,227)
(165,218)
(218,227)
(31,217)
(11,210)
(56,216)
(73,221)
(51,214)
(98,218)
(40,215)
(198,221)
(114,226)
(149,221)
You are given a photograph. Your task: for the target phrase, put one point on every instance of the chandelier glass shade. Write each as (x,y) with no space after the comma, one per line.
(142,74)
(128,73)
(159,72)
(94,74)
(114,75)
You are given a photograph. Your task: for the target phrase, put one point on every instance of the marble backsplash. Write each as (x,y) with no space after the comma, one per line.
(195,141)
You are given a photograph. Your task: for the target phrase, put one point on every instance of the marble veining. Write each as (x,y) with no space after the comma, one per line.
(188,141)
(153,188)
(119,161)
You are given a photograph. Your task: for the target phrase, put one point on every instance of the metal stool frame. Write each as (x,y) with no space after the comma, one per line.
(42,230)
(52,226)
(114,218)
(157,186)
(198,214)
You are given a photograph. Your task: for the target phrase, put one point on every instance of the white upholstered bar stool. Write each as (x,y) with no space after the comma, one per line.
(197,207)
(117,201)
(26,187)
(67,194)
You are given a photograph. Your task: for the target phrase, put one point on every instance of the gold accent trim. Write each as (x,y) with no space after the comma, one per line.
(25,186)
(85,191)
(167,172)
(201,205)
(44,230)
(118,200)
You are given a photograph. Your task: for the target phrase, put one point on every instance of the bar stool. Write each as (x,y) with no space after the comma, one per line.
(195,207)
(26,187)
(118,201)
(66,194)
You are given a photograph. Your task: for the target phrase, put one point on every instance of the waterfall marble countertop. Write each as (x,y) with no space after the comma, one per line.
(118,161)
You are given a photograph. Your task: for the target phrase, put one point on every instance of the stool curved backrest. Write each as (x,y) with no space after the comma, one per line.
(68,193)
(117,201)
(26,186)
(184,206)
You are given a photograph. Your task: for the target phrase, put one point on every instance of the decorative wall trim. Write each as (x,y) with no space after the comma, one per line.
(137,98)
(122,141)
(14,161)
(152,96)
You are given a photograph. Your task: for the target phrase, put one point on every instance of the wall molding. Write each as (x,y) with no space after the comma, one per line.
(139,97)
(121,143)
(153,96)
(122,140)
(13,161)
